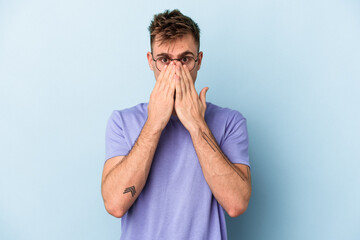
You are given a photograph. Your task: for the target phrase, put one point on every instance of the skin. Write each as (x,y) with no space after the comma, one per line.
(175,50)
(174,93)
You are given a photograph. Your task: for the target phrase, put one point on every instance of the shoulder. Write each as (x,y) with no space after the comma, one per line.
(224,122)
(222,114)
(139,110)
(132,117)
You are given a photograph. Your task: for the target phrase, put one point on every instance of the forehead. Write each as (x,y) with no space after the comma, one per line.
(177,46)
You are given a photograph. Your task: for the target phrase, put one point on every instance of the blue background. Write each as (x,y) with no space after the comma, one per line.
(290,67)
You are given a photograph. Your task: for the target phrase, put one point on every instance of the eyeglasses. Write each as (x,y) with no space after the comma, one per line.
(189,61)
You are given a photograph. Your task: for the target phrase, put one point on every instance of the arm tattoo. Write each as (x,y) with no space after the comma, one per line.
(130,189)
(214,146)
(203,135)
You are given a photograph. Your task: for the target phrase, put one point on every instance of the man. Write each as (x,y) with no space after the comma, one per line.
(174,164)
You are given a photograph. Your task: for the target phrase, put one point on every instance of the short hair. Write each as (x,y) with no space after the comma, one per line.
(168,26)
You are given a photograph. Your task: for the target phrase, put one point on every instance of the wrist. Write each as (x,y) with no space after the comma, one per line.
(198,128)
(153,127)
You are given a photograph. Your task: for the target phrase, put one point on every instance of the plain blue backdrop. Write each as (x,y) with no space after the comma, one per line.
(292,68)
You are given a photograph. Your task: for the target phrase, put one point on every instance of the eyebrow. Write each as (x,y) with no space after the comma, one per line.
(181,54)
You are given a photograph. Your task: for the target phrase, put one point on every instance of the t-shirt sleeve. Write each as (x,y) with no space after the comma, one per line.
(235,144)
(115,140)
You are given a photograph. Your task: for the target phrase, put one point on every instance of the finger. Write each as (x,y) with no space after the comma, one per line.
(203,95)
(161,75)
(188,75)
(171,74)
(158,83)
(178,73)
(170,83)
(173,79)
(167,70)
(173,85)
(177,69)
(190,84)
(178,88)
(182,83)
(185,79)
(165,79)
(158,80)
(170,71)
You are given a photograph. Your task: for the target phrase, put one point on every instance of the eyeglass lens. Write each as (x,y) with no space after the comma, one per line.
(163,61)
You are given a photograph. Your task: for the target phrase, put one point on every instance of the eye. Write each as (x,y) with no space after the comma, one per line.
(185,59)
(164,60)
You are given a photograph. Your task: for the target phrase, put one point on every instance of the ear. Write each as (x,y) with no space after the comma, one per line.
(200,56)
(150,60)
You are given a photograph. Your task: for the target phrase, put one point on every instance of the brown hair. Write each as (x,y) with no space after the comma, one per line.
(168,26)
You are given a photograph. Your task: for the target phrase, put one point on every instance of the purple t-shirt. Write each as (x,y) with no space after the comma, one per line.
(176,202)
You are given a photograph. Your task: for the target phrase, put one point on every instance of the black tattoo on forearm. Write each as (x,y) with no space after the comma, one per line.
(214,146)
(130,189)
(203,135)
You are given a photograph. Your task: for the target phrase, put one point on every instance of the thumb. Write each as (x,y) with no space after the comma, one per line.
(203,95)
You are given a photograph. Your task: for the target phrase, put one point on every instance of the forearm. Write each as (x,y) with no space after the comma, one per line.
(123,184)
(230,186)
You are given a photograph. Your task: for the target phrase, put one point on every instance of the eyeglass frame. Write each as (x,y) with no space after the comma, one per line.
(172,59)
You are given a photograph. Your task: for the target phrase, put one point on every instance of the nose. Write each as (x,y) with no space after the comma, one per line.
(176,61)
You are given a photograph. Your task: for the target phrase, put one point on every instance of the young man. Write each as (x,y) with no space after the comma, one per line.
(174,164)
